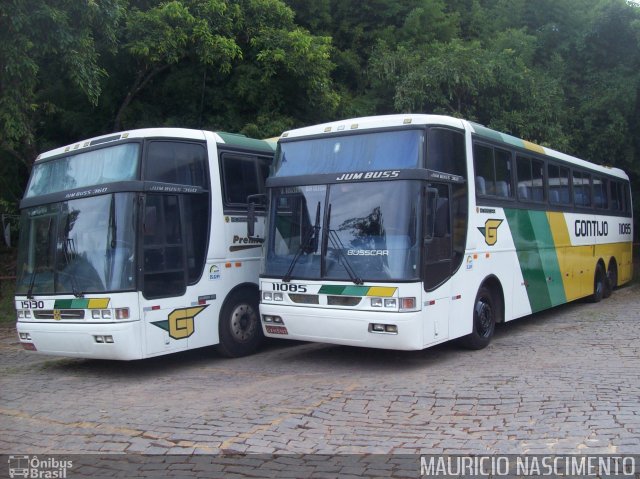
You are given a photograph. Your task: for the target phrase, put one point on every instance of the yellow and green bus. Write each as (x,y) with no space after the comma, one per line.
(405,231)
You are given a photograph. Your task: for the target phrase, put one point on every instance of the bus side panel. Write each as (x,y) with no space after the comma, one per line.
(558,253)
(494,257)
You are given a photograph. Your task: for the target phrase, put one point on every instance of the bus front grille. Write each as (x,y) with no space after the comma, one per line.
(59,314)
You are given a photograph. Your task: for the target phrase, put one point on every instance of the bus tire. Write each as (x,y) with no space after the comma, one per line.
(599,284)
(239,327)
(612,277)
(484,320)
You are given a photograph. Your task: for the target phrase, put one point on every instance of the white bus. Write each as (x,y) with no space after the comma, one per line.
(405,231)
(134,245)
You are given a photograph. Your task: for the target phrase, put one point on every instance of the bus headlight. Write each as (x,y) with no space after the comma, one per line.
(376,302)
(267,296)
(390,303)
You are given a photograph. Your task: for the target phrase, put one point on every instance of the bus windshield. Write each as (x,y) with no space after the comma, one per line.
(97,167)
(80,246)
(362,152)
(351,232)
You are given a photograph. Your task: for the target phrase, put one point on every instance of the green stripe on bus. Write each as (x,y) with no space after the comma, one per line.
(81,303)
(537,257)
(337,290)
(548,257)
(331,289)
(62,304)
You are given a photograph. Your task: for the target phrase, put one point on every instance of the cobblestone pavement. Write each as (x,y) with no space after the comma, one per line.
(564,381)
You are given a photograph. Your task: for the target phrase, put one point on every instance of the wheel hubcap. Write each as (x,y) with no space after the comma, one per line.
(484,318)
(244,321)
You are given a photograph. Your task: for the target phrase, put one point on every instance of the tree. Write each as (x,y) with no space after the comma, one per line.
(44,40)
(168,33)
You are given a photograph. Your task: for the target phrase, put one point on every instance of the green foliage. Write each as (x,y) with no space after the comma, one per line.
(45,39)
(562,73)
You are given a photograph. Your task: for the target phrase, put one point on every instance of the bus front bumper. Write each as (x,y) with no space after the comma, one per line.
(401,331)
(120,340)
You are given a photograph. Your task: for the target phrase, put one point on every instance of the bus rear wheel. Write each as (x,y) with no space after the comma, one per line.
(484,320)
(599,284)
(612,278)
(239,326)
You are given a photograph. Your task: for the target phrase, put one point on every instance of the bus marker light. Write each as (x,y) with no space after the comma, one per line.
(354,126)
(487,255)
(272,319)
(407,303)
(430,303)
(155,308)
(29,346)
(383,328)
(122,313)
(457,296)
(238,265)
(227,265)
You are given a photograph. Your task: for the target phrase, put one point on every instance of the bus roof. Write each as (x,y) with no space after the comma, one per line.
(233,139)
(407,120)
(241,141)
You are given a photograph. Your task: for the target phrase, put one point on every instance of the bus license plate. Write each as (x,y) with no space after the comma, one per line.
(277,330)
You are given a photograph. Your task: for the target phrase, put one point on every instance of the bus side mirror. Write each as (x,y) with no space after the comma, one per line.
(252,201)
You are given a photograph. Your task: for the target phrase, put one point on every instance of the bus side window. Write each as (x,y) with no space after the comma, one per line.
(484,167)
(600,198)
(446,151)
(559,185)
(243,176)
(581,189)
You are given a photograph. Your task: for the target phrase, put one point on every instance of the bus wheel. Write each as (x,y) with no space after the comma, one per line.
(239,327)
(484,320)
(599,284)
(612,278)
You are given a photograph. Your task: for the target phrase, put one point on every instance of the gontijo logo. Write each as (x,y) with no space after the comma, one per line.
(490,231)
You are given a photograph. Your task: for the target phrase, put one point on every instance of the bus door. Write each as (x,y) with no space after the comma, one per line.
(437,262)
(167,322)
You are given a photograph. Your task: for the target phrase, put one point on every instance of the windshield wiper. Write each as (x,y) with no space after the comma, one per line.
(32,281)
(339,247)
(308,245)
(113,226)
(70,253)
